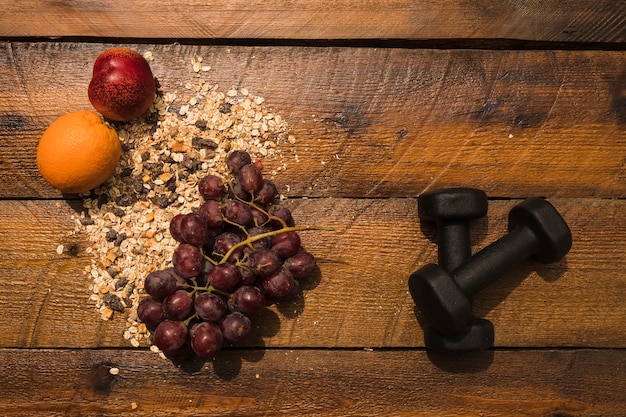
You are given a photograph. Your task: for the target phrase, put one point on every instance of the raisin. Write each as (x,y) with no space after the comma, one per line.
(161,201)
(86,221)
(111,236)
(225,108)
(125,200)
(120,238)
(202,143)
(121,283)
(113,302)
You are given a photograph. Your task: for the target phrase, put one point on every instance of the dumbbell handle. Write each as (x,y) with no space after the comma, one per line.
(495,260)
(454,246)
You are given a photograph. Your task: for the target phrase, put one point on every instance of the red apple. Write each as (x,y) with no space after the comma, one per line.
(122,87)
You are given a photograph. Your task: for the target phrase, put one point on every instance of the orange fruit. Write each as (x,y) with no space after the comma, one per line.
(78,152)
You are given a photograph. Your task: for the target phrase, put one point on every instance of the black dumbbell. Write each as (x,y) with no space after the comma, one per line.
(452,209)
(535,229)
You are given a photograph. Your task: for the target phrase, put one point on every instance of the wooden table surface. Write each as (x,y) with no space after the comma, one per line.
(386,100)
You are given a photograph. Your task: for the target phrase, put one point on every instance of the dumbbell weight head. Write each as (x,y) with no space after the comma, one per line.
(440,300)
(552,232)
(477,335)
(452,204)
(452,209)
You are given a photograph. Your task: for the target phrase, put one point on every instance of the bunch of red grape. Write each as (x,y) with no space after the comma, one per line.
(239,250)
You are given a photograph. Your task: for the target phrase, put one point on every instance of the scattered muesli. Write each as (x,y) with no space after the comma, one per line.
(187,135)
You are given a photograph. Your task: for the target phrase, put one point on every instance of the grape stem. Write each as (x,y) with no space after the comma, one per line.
(208,258)
(254,238)
(188,320)
(209,288)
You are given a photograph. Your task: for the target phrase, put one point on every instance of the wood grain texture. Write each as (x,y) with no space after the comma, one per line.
(376,122)
(387,99)
(407,383)
(562,21)
(362,284)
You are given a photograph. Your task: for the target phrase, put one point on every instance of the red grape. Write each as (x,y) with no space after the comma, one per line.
(187,260)
(278,284)
(150,311)
(236,327)
(237,159)
(225,277)
(266,194)
(181,354)
(178,305)
(250,178)
(210,307)
(283,213)
(206,339)
(176,275)
(286,244)
(160,284)
(262,243)
(237,212)
(170,335)
(237,192)
(195,230)
(300,265)
(264,262)
(224,242)
(247,275)
(211,212)
(248,300)
(259,218)
(211,187)
(175,228)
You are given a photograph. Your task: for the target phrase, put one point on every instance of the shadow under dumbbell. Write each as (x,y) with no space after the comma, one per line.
(462,362)
(551,272)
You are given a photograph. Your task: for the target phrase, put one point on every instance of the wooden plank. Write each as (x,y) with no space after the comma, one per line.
(373,122)
(364,266)
(561,21)
(50,383)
